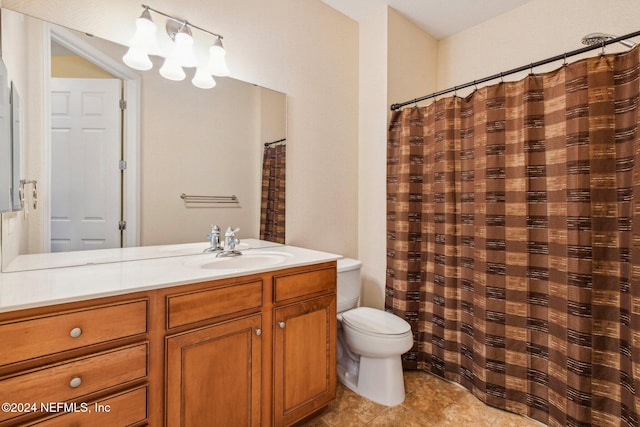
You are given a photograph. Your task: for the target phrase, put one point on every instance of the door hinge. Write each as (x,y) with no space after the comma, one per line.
(123,104)
(122,225)
(122,165)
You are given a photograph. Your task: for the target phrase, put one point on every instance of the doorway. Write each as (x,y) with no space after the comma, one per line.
(86,148)
(93,147)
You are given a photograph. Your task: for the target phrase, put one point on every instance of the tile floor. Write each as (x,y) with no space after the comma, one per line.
(429,402)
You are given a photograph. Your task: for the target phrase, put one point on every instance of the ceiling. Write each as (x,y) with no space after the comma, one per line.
(440,18)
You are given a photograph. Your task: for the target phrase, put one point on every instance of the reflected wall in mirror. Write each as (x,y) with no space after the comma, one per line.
(16,147)
(5,141)
(174,137)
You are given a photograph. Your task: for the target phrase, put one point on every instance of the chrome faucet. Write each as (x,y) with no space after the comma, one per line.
(230,242)
(214,238)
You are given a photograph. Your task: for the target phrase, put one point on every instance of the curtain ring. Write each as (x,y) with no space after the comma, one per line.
(565,60)
(475,84)
(501,77)
(531,70)
(455,91)
(602,43)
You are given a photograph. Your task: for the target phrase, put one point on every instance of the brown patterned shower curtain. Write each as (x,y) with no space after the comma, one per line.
(272,206)
(514,241)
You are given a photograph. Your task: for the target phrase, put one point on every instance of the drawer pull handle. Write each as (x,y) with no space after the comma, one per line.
(75,382)
(258,332)
(281,324)
(75,332)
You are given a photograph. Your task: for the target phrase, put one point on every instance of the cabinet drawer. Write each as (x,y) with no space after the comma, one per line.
(76,378)
(187,308)
(46,335)
(123,409)
(300,284)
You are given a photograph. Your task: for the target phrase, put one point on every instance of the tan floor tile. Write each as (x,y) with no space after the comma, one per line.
(398,416)
(432,398)
(507,419)
(419,380)
(350,409)
(430,402)
(470,411)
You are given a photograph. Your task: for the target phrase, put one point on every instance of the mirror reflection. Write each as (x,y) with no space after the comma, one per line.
(111,177)
(5,141)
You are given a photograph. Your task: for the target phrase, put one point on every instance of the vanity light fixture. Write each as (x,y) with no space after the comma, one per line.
(142,43)
(180,55)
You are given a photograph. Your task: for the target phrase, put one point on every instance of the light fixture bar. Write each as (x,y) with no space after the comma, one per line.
(181,21)
(180,54)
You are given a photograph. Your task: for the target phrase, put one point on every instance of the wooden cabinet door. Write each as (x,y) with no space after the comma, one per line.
(213,375)
(304,358)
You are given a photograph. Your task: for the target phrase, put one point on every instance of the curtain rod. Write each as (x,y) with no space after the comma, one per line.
(267,144)
(517,70)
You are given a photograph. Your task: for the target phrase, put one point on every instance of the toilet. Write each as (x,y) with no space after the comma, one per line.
(370,342)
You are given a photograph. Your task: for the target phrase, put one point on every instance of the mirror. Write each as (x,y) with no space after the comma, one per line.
(16,132)
(177,139)
(5,141)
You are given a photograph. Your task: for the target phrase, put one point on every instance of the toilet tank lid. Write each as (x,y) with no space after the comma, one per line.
(348,264)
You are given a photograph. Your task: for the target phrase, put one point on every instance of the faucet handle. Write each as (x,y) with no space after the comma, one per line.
(214,238)
(231,231)
(215,231)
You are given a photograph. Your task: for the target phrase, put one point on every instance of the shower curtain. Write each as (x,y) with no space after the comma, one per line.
(513,242)
(272,205)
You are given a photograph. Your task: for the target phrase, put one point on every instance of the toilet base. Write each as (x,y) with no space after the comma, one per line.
(378,379)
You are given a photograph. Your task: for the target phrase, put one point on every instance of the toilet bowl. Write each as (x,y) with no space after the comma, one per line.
(370,342)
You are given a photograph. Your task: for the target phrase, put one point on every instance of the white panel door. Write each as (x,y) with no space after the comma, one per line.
(85,155)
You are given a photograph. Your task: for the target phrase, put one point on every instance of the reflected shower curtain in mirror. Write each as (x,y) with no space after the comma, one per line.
(514,241)
(272,206)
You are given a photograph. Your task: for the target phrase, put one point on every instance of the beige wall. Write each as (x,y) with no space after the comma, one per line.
(372,156)
(74,66)
(273,120)
(284,45)
(535,31)
(386,37)
(412,60)
(194,152)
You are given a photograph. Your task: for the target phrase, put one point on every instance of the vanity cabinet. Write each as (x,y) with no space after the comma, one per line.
(213,375)
(304,361)
(73,364)
(255,350)
(213,372)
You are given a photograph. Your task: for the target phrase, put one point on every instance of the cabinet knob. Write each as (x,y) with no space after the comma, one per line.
(75,332)
(258,332)
(75,382)
(281,324)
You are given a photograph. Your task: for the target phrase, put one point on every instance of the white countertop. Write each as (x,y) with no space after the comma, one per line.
(102,256)
(48,286)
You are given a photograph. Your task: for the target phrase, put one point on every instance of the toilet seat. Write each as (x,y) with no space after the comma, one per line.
(374,322)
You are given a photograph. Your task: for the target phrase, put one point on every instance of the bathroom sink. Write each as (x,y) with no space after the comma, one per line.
(194,248)
(246,260)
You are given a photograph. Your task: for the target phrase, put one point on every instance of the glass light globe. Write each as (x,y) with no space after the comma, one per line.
(217,64)
(203,79)
(137,59)
(172,70)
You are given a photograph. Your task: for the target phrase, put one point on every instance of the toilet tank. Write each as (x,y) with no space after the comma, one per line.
(348,283)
